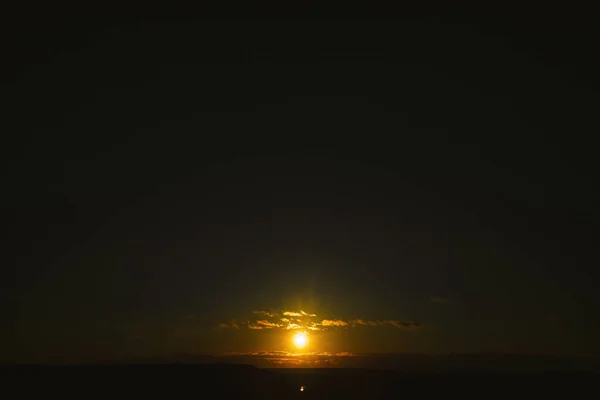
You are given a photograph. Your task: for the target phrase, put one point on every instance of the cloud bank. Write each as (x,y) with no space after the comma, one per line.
(302,320)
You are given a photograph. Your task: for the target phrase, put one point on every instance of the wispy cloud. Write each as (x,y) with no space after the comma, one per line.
(334,322)
(300,313)
(230,324)
(265,313)
(258,353)
(376,361)
(267,324)
(392,322)
(313,360)
(292,314)
(299,362)
(402,324)
(313,327)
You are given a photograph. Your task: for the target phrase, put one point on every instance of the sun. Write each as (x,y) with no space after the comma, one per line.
(300,340)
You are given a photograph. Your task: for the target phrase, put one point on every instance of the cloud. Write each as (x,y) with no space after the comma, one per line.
(265,313)
(356,322)
(292,314)
(395,323)
(402,324)
(287,359)
(298,362)
(438,299)
(258,353)
(267,324)
(300,313)
(231,324)
(296,320)
(409,363)
(334,322)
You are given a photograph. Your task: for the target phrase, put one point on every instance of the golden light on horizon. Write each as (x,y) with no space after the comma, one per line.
(300,340)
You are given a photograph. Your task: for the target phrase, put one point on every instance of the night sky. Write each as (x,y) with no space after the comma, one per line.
(199,185)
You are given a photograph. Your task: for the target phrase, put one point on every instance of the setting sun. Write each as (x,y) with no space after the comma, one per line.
(300,340)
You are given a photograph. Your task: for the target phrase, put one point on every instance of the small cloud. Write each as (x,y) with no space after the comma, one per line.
(301,313)
(356,322)
(231,324)
(291,361)
(293,326)
(265,313)
(256,327)
(392,322)
(257,353)
(292,314)
(438,299)
(284,320)
(402,324)
(267,324)
(333,322)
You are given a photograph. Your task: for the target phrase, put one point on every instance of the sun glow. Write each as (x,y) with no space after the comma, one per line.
(300,340)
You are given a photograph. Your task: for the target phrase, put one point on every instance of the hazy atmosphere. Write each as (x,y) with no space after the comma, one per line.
(298,193)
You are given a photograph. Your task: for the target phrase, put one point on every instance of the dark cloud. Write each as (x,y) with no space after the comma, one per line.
(230,324)
(265,313)
(405,362)
(402,324)
(391,322)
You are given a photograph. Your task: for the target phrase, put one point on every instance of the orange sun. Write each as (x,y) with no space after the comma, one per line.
(300,340)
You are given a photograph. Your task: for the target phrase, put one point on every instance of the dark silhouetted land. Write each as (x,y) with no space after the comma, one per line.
(226,380)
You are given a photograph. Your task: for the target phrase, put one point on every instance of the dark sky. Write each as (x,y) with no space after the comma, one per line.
(423,184)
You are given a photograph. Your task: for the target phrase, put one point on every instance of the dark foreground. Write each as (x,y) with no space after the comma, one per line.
(220,381)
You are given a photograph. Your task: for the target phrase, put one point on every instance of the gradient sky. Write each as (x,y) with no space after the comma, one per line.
(418,187)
